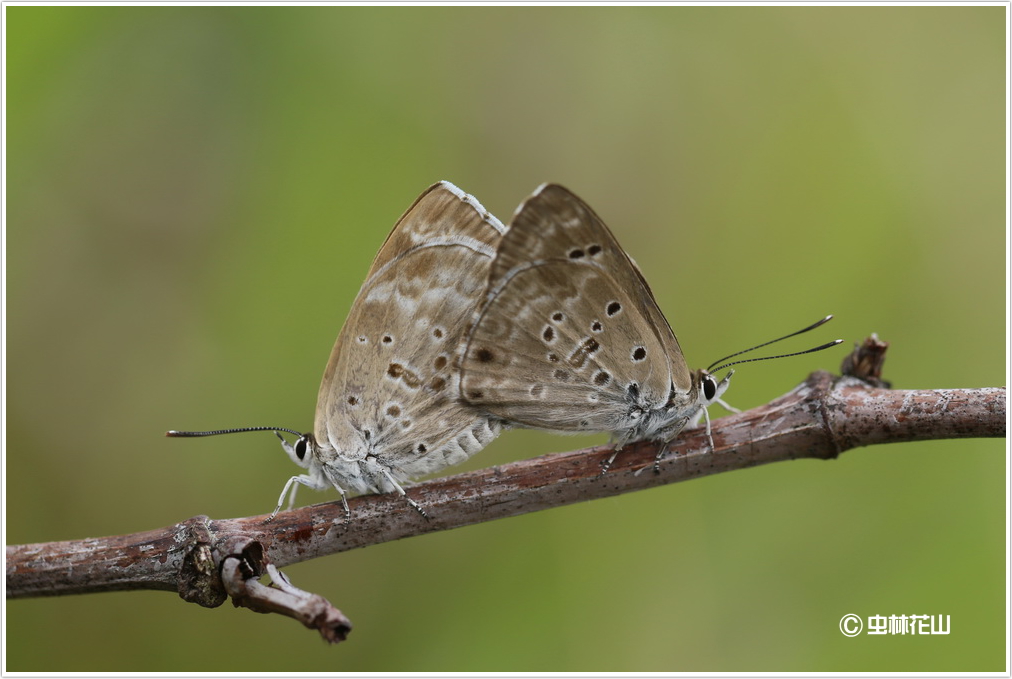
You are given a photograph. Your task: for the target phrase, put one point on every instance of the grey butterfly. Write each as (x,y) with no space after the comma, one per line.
(570,338)
(387,410)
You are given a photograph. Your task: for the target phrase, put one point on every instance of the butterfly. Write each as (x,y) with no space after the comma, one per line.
(570,338)
(387,409)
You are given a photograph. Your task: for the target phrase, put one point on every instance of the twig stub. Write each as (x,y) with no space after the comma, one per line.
(207,561)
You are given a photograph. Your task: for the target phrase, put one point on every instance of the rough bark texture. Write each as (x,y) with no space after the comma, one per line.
(206,561)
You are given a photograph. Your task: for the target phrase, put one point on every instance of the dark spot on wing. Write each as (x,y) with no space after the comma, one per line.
(587,347)
(396,370)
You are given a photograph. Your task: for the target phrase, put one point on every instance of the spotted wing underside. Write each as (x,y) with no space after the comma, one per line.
(570,336)
(389,387)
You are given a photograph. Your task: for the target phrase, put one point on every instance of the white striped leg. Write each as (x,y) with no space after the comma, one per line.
(310,482)
(397,486)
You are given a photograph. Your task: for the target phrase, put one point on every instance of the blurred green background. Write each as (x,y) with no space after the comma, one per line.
(195,195)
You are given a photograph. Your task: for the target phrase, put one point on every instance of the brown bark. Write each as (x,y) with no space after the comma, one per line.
(207,560)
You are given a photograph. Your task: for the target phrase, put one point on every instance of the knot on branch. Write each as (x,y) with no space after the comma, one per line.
(215,568)
(198,580)
(209,561)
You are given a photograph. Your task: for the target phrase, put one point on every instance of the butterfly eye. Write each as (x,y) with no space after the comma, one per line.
(709,387)
(301,446)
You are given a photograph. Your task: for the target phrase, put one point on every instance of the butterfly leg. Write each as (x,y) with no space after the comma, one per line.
(293,485)
(662,453)
(702,414)
(727,407)
(397,486)
(709,435)
(606,465)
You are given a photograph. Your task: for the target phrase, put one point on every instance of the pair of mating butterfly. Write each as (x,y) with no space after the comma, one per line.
(464,326)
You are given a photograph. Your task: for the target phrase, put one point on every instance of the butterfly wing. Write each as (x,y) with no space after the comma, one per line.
(570,337)
(388,389)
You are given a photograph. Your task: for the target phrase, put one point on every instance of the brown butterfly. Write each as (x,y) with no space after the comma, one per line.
(387,410)
(570,338)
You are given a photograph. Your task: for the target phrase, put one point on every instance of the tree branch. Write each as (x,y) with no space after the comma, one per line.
(208,560)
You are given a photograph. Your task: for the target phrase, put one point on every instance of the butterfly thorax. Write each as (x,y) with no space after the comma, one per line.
(663,422)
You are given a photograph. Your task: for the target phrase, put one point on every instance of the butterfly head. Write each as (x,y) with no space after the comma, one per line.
(302,451)
(707,389)
(683,408)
